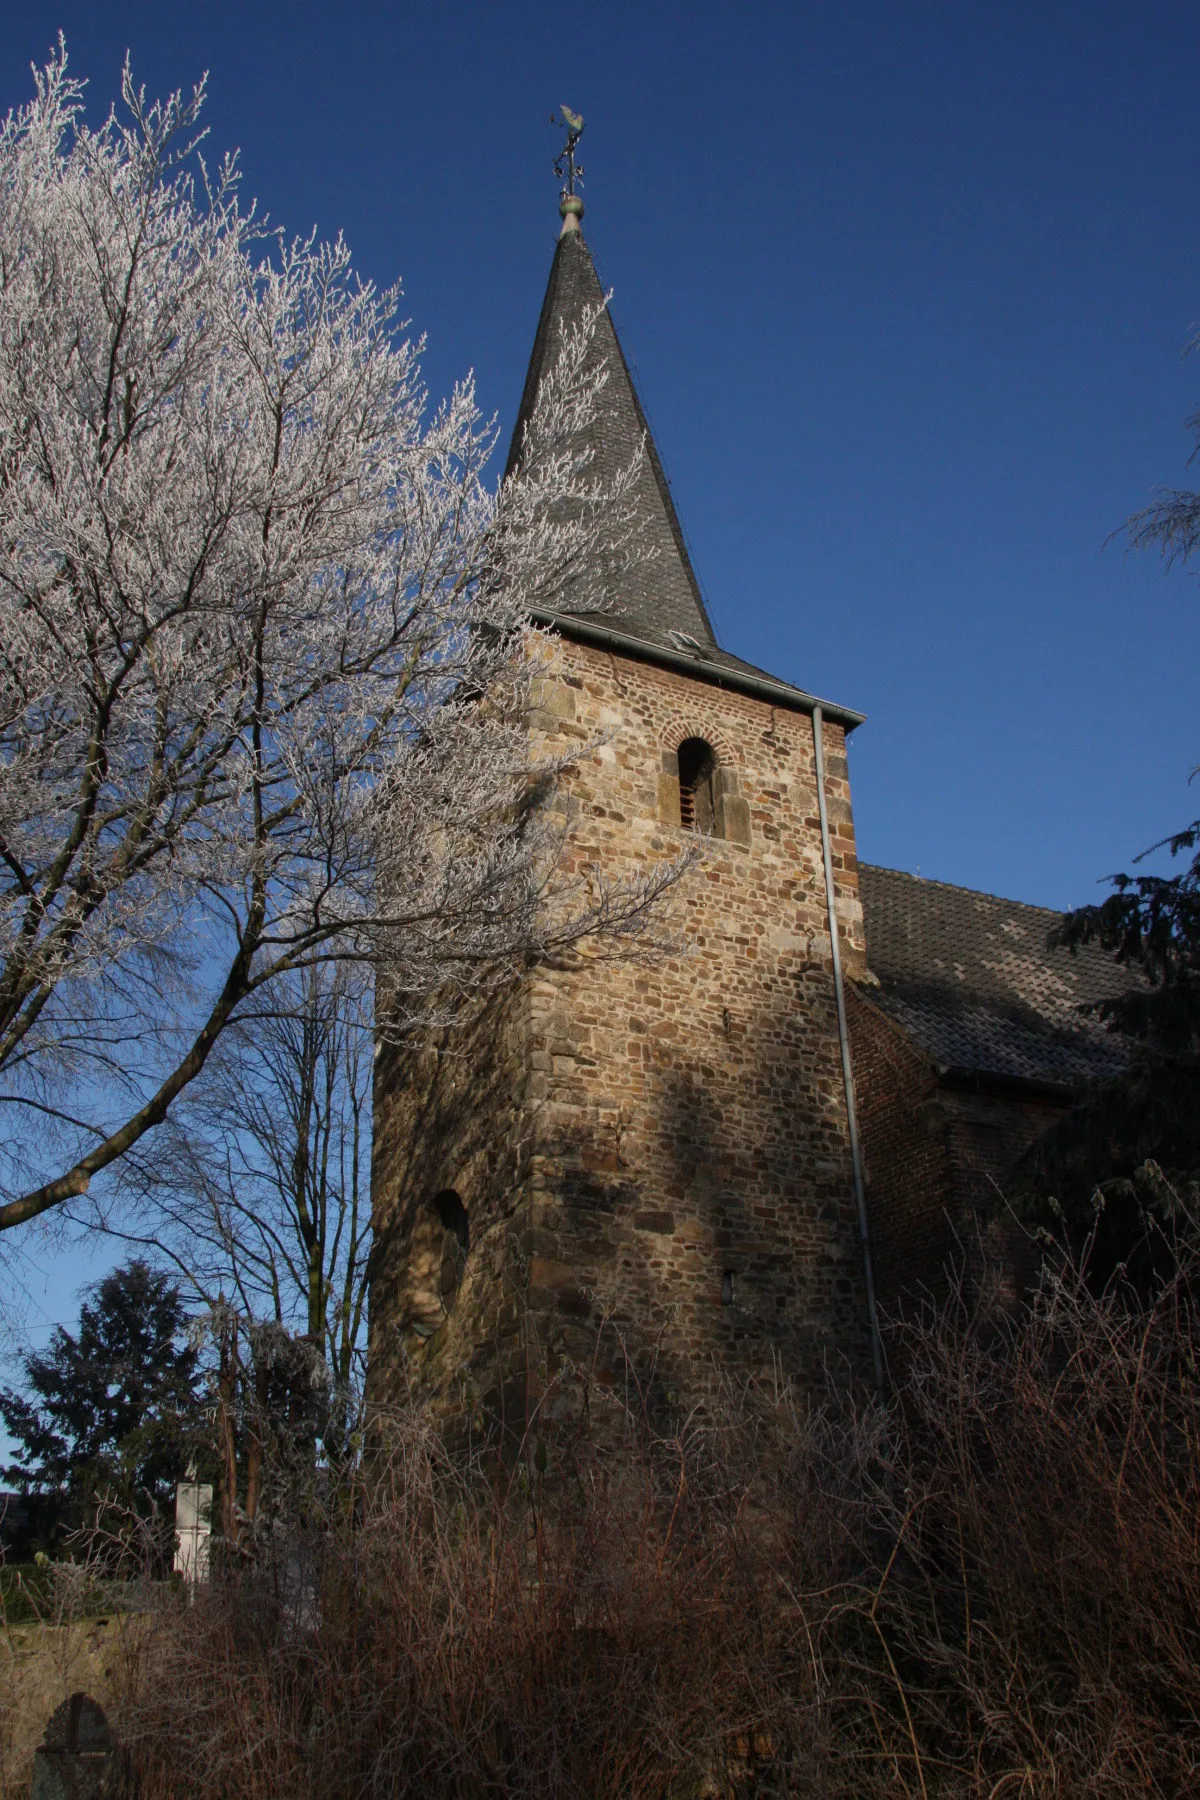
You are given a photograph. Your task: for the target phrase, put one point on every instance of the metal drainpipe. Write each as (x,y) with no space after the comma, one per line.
(860,1192)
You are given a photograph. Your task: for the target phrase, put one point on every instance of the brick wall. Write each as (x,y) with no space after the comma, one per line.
(682,1124)
(937,1157)
(989,1129)
(907,1157)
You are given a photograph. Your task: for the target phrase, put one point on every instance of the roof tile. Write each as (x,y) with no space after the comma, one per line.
(971,979)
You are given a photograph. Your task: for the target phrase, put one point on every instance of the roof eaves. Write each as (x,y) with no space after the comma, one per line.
(962,1075)
(761,687)
(1005,1081)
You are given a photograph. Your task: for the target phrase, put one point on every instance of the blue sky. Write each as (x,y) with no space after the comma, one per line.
(906,288)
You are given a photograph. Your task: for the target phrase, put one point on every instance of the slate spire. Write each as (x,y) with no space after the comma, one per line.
(659,600)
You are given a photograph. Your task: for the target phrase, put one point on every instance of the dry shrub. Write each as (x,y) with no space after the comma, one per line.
(1039,1623)
(593,1621)
(990,1589)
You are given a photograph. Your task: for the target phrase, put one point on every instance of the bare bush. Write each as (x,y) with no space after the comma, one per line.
(1042,1616)
(991,1589)
(631,1620)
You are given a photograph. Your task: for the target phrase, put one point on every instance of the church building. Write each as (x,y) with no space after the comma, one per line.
(629,1179)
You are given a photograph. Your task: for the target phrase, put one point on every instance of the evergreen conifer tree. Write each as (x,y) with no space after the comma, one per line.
(1125,1164)
(112,1409)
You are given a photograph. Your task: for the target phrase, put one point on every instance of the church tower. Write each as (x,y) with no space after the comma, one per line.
(629,1170)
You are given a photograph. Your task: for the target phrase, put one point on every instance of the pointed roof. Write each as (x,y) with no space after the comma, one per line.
(656,613)
(664,595)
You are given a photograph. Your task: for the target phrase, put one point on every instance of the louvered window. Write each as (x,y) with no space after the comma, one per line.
(697,769)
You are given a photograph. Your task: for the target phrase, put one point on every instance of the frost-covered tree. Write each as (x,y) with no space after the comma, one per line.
(263,651)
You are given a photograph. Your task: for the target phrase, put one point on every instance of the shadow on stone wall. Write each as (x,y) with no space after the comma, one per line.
(722,1242)
(644,1249)
(449,1165)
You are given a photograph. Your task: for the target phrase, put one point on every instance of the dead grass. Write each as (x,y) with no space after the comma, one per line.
(1040,1617)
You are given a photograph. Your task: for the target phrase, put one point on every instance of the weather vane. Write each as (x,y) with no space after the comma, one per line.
(565,166)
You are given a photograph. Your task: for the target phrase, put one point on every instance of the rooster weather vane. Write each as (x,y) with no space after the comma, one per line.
(565,166)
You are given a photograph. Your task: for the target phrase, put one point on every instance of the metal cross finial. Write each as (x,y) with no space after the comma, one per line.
(565,166)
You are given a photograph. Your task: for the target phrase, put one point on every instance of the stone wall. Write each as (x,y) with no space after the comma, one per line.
(444,1313)
(673,1194)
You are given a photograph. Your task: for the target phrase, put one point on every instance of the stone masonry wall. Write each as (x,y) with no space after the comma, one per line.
(451,1119)
(681,1202)
(690,1114)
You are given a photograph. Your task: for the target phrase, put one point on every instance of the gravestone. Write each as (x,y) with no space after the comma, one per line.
(193,1530)
(73,1759)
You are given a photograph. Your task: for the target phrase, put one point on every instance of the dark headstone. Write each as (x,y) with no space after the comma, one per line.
(74,1756)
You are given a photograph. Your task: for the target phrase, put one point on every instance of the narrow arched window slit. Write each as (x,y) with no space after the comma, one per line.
(697,786)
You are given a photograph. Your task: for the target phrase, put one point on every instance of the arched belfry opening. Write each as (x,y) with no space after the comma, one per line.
(698,787)
(699,792)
